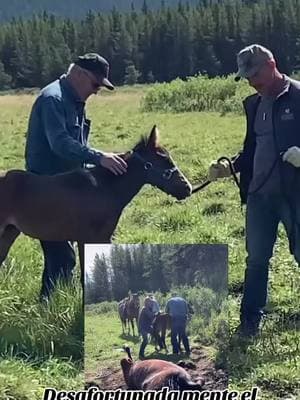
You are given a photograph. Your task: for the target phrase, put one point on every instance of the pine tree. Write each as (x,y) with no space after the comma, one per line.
(160,43)
(150,77)
(101,279)
(120,279)
(89,292)
(154,272)
(5,79)
(131,75)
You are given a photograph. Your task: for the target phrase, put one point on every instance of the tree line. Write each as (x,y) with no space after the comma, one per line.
(150,45)
(151,268)
(78,8)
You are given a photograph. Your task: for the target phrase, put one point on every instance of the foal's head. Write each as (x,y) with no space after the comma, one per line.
(159,168)
(134,303)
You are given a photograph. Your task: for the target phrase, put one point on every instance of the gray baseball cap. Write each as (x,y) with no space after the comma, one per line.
(251,59)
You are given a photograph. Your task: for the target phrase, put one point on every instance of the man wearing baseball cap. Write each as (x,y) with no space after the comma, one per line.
(57,142)
(269,166)
(98,66)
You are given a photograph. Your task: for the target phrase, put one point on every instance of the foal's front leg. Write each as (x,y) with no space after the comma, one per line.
(7,237)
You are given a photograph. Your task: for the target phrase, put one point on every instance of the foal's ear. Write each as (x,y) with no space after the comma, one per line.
(153,138)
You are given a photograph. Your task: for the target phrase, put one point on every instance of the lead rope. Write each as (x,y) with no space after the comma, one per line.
(201,186)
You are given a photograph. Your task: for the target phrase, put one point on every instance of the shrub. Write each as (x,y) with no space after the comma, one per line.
(198,93)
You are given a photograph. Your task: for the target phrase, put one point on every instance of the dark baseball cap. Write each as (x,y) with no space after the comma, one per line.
(251,59)
(96,64)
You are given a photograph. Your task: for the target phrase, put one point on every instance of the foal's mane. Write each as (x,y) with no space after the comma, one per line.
(143,144)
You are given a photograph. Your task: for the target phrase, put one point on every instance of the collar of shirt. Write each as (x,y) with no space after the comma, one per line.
(285,86)
(283,89)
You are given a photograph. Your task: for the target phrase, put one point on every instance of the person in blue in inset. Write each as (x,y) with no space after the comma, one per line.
(57,142)
(145,324)
(178,309)
(154,304)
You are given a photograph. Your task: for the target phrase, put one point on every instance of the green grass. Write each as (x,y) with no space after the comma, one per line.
(211,216)
(104,343)
(40,345)
(22,380)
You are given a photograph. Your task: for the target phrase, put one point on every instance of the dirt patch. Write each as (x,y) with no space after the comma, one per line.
(206,371)
(200,367)
(108,379)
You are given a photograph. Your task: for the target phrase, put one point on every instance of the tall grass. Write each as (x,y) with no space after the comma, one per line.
(40,344)
(31,329)
(102,308)
(26,380)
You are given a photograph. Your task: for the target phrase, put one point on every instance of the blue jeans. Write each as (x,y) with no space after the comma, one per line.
(264,212)
(59,262)
(144,343)
(178,327)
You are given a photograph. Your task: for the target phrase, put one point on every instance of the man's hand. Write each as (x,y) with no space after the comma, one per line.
(292,155)
(219,170)
(114,163)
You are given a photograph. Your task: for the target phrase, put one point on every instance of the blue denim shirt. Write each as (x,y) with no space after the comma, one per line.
(177,307)
(58,131)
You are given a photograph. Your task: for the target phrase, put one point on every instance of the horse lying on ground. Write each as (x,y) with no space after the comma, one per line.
(155,375)
(83,205)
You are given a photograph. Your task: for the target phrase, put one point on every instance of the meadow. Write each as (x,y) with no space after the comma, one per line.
(31,357)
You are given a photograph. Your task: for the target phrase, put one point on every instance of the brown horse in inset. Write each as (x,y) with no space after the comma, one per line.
(161,323)
(83,205)
(132,307)
(123,314)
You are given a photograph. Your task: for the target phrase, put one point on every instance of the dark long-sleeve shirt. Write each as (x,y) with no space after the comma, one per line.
(58,131)
(145,320)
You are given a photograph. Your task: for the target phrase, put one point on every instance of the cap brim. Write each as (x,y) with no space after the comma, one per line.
(241,73)
(107,84)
